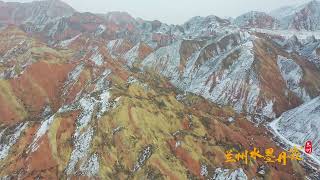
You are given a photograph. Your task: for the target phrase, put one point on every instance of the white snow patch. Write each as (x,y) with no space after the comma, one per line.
(45,125)
(146,154)
(292,73)
(67,42)
(204,170)
(117,99)
(73,78)
(231,119)
(178,144)
(102,83)
(101,28)
(113,46)
(89,103)
(81,148)
(104,101)
(227,174)
(91,167)
(97,58)
(132,80)
(132,55)
(6,142)
(301,35)
(268,110)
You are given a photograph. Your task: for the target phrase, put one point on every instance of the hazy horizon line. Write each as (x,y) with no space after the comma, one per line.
(164,20)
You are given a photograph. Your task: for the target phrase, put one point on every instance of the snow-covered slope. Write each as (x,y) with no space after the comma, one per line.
(302,17)
(204,26)
(35,14)
(202,71)
(292,73)
(299,125)
(255,19)
(306,44)
(229,71)
(225,174)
